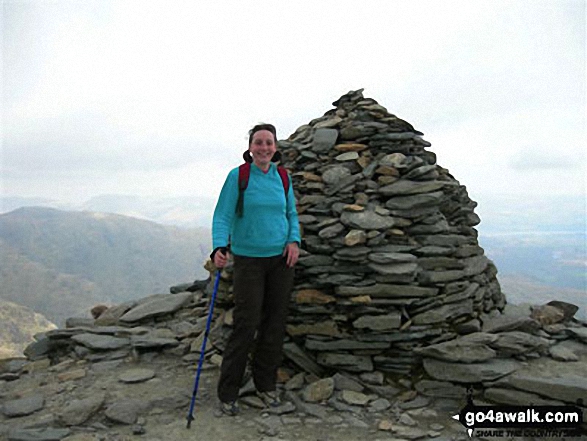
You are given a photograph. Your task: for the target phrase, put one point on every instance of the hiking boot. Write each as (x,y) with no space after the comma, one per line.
(270,399)
(231,408)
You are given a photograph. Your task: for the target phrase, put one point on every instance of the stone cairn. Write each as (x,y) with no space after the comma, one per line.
(390,260)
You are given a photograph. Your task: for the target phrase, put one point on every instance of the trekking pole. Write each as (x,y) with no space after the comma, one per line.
(197,381)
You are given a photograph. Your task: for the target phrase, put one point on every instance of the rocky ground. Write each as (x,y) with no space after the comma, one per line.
(148,399)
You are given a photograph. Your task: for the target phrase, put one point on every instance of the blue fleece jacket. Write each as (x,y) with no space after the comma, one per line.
(269,222)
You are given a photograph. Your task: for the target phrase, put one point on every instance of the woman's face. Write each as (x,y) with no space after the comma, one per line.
(262,148)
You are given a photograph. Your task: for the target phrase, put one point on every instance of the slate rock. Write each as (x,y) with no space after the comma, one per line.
(125,411)
(318,391)
(470,349)
(41,434)
(158,306)
(77,412)
(100,342)
(469,373)
(23,406)
(136,375)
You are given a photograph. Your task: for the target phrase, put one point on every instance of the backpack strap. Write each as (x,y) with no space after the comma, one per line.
(284,179)
(244,171)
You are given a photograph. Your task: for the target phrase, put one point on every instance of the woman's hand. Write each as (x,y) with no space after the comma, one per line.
(291,253)
(220,258)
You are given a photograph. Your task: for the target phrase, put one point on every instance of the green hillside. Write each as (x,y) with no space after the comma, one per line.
(18,325)
(61,263)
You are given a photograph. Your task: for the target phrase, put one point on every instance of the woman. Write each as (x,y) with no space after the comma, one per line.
(264,237)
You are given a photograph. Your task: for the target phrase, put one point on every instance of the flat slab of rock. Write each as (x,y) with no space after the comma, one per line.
(125,411)
(23,406)
(386,291)
(158,306)
(100,342)
(470,373)
(469,349)
(379,322)
(78,412)
(45,434)
(568,387)
(136,375)
(444,313)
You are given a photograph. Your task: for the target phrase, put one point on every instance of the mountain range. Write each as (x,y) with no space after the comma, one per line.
(61,263)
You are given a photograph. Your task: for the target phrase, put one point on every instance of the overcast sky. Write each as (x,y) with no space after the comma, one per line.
(156,97)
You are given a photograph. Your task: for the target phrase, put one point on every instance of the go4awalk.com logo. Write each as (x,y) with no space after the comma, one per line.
(527,421)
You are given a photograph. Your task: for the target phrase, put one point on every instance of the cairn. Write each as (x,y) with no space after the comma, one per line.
(390,260)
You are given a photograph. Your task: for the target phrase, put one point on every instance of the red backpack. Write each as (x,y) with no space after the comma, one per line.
(244,171)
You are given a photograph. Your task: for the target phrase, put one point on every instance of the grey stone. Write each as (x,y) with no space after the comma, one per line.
(387,291)
(150,342)
(473,349)
(407,187)
(379,405)
(332,175)
(348,156)
(42,434)
(440,389)
(77,412)
(444,313)
(348,362)
(125,411)
(354,398)
(516,342)
(565,387)
(138,375)
(343,382)
(379,322)
(469,373)
(23,406)
(332,231)
(158,306)
(580,333)
(367,220)
(300,358)
(312,409)
(398,269)
(415,201)
(517,398)
(38,349)
(324,140)
(504,323)
(314,344)
(387,258)
(318,391)
(100,342)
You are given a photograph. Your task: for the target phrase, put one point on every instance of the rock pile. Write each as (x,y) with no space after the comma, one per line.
(130,371)
(390,259)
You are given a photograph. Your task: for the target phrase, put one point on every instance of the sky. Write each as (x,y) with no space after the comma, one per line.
(155,98)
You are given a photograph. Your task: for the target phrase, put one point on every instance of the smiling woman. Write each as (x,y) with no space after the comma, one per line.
(263,234)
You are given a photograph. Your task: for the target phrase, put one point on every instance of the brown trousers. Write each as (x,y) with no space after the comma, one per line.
(262,288)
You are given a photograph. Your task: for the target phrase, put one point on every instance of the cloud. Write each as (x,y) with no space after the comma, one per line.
(539,159)
(98,94)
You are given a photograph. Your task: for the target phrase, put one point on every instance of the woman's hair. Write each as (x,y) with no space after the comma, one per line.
(258,127)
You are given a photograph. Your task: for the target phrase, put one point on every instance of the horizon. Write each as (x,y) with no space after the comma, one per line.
(156,100)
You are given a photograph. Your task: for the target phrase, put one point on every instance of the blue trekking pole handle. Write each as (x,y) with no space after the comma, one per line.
(202,351)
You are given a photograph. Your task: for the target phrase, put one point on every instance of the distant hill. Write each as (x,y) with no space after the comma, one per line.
(61,263)
(18,325)
(189,212)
